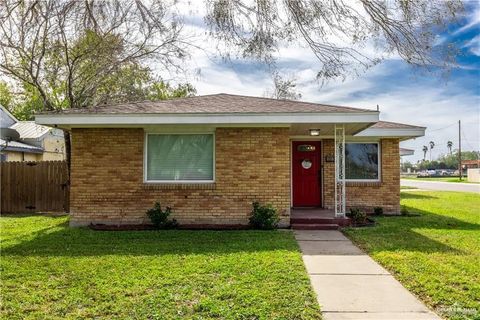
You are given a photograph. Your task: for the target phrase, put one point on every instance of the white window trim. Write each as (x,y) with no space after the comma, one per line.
(379,150)
(145,159)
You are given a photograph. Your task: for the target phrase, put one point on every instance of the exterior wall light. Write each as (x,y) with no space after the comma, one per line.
(314,132)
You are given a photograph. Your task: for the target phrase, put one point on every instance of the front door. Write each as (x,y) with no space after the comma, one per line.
(306,173)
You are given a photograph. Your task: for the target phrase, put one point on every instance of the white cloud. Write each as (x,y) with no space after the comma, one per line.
(474,45)
(416,102)
(473,19)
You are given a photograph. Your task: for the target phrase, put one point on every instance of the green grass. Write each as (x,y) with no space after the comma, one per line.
(443,179)
(51,271)
(435,255)
(407,188)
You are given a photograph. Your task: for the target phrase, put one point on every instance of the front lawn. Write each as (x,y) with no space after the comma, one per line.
(49,270)
(435,255)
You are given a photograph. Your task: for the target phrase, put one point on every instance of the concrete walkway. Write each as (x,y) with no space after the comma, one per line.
(441,186)
(350,285)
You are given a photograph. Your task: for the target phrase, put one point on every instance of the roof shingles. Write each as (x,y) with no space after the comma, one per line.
(217,103)
(393,125)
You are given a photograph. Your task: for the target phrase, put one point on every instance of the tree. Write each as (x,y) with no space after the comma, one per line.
(284,89)
(121,88)
(6,95)
(406,165)
(449,146)
(432,144)
(67,52)
(336,31)
(424,149)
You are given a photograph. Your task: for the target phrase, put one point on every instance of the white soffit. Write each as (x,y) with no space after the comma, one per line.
(402,133)
(98,120)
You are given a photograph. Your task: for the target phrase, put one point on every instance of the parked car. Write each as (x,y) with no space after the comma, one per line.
(423,174)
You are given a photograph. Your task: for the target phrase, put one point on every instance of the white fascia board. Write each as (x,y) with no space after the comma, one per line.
(408,133)
(73,120)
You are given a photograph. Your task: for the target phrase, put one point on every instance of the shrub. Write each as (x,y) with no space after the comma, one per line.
(358,216)
(378,211)
(264,217)
(159,217)
(403,211)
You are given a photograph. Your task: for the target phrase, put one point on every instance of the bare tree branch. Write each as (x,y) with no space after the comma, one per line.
(336,31)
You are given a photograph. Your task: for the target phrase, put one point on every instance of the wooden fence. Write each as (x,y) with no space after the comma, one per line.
(34,187)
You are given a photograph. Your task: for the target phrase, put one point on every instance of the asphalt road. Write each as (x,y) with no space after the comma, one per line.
(441,186)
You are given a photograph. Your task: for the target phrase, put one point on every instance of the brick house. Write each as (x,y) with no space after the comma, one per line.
(209,157)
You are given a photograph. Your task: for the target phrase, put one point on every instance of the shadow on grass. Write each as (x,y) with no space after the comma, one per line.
(408,195)
(61,240)
(400,233)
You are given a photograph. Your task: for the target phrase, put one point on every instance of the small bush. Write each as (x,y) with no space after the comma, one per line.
(264,217)
(159,217)
(378,211)
(404,211)
(358,216)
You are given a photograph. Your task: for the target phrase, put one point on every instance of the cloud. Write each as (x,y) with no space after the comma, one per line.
(472,19)
(473,45)
(402,96)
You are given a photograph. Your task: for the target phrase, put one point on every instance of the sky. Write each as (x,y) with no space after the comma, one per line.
(403,94)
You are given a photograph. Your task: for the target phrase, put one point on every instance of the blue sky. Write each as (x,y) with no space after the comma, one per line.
(403,94)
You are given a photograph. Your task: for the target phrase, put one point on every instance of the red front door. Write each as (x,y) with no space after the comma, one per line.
(306,170)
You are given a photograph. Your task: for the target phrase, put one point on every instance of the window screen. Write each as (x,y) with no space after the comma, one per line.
(179,157)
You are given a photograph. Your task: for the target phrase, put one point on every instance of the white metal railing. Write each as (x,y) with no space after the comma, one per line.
(340,200)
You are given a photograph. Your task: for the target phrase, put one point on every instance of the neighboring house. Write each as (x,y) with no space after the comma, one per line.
(209,157)
(406,152)
(28,141)
(470,164)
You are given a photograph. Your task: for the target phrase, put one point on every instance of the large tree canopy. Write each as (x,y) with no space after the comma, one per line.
(71,51)
(80,53)
(337,31)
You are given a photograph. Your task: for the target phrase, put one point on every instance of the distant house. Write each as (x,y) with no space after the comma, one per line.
(28,141)
(406,152)
(470,164)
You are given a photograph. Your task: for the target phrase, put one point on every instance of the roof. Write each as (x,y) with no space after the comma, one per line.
(471,161)
(30,130)
(215,103)
(392,129)
(19,146)
(406,152)
(6,118)
(393,125)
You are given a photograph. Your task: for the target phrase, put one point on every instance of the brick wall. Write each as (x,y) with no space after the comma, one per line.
(107,178)
(367,195)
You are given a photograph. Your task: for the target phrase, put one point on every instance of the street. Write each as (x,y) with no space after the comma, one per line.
(441,186)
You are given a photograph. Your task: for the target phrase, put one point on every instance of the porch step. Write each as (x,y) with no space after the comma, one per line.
(315,226)
(319,221)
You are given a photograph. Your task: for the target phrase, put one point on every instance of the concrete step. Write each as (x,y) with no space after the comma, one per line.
(315,226)
(340,221)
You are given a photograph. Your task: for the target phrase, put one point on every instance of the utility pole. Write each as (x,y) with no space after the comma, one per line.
(460,149)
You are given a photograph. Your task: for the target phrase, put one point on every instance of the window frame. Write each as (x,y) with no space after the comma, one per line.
(379,155)
(145,159)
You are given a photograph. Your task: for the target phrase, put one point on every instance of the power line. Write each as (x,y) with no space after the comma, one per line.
(450,125)
(442,127)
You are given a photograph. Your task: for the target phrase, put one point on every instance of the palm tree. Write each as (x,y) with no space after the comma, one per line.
(449,146)
(425,149)
(432,144)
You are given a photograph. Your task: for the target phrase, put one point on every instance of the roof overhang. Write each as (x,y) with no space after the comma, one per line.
(406,152)
(16,146)
(400,133)
(68,121)
(20,149)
